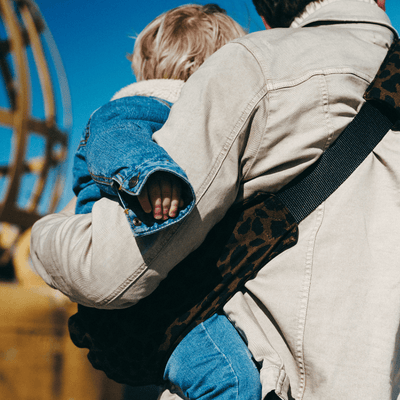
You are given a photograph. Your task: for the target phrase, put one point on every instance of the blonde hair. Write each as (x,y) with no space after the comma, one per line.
(176,43)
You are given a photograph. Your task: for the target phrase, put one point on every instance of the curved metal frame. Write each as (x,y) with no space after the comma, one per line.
(22,32)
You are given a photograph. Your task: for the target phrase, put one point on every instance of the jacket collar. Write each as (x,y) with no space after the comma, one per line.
(346,11)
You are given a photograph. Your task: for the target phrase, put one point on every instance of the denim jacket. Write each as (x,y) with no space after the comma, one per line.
(117,155)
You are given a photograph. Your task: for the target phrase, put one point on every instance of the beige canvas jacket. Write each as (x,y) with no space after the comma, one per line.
(323,317)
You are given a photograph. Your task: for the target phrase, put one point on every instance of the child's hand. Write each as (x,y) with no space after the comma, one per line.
(161,195)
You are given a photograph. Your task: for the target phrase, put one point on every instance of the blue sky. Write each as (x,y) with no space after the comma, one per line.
(93,38)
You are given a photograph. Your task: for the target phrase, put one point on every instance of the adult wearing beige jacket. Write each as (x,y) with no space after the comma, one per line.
(323,317)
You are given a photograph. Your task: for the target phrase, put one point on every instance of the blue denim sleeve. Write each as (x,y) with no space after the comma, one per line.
(121,155)
(84,187)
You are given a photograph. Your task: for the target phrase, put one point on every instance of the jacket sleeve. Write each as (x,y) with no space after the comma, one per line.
(94,259)
(84,187)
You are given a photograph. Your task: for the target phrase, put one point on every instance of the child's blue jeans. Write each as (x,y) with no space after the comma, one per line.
(213,362)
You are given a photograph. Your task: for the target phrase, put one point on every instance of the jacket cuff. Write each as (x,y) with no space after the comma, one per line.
(128,183)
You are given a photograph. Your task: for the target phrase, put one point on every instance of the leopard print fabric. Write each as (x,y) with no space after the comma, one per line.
(133,345)
(384,89)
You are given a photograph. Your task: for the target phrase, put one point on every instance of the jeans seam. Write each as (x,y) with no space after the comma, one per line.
(227,360)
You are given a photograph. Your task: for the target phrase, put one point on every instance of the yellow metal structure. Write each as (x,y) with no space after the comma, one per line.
(37,359)
(24,28)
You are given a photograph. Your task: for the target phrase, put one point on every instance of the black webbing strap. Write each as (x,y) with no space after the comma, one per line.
(311,188)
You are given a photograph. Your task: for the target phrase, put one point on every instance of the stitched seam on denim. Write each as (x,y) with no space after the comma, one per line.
(173,231)
(226,359)
(87,133)
(304,302)
(119,176)
(82,143)
(145,164)
(153,168)
(162,101)
(101,178)
(146,230)
(165,169)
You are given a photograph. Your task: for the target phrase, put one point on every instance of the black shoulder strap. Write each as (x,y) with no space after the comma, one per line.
(376,117)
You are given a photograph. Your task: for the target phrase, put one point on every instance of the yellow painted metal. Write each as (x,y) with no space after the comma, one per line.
(25,28)
(37,358)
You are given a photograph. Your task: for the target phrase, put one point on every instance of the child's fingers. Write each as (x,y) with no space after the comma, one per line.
(161,195)
(166,193)
(175,199)
(144,201)
(155,197)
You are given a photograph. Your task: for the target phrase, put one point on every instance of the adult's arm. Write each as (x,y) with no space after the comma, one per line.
(213,134)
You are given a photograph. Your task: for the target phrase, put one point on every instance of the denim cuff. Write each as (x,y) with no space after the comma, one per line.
(128,183)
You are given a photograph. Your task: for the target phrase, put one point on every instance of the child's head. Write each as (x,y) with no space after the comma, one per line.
(177,42)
